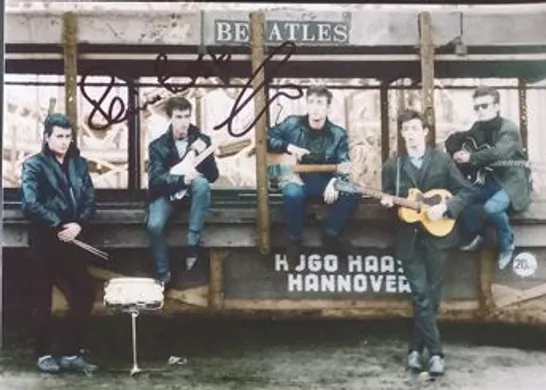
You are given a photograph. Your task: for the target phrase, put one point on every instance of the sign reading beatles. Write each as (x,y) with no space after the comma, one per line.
(231,31)
(356,274)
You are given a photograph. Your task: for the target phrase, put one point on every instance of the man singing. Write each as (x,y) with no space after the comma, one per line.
(59,200)
(170,173)
(313,139)
(505,186)
(423,255)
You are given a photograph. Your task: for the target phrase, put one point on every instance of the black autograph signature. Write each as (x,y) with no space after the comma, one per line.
(117,112)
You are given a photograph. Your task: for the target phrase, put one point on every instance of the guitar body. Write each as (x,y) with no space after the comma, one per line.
(413,208)
(476,176)
(439,228)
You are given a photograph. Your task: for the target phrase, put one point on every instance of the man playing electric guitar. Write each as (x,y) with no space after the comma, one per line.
(171,174)
(504,186)
(313,139)
(424,255)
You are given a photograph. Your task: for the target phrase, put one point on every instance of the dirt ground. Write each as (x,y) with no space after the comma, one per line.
(282,354)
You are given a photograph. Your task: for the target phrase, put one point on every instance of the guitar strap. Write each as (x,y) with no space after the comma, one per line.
(397,175)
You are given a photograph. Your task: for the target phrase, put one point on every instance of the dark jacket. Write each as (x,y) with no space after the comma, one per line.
(164,155)
(505,139)
(332,146)
(437,172)
(46,197)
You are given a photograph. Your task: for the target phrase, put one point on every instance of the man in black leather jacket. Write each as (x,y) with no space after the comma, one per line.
(506,189)
(58,198)
(166,181)
(313,139)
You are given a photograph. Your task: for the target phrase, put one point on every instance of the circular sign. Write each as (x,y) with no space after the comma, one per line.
(524,264)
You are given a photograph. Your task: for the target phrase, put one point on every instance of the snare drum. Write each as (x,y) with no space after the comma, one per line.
(133,294)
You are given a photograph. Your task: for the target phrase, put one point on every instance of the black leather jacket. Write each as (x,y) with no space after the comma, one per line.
(164,155)
(295,130)
(47,200)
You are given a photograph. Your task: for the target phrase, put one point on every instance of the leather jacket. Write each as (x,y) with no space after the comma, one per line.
(295,130)
(48,200)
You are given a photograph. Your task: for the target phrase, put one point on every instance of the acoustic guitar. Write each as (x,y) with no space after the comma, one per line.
(412,209)
(478,176)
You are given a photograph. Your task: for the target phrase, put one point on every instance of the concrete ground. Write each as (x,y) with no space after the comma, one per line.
(282,354)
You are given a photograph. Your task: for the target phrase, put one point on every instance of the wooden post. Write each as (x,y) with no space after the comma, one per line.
(52,104)
(523,124)
(70,55)
(257,21)
(385,133)
(485,278)
(427,73)
(216,282)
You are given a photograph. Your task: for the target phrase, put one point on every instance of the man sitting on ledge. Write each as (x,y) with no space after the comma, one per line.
(165,184)
(313,139)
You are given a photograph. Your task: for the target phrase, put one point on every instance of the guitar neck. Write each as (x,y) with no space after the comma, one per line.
(410,204)
(204,154)
(303,168)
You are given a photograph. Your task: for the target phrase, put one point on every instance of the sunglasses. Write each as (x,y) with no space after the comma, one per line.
(483,106)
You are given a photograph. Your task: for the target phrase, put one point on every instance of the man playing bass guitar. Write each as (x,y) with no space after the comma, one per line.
(505,186)
(422,254)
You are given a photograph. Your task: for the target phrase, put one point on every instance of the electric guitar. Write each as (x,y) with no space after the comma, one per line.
(411,209)
(191,159)
(478,176)
(284,168)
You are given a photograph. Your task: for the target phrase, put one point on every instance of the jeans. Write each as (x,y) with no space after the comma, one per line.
(63,265)
(295,198)
(495,201)
(425,272)
(158,214)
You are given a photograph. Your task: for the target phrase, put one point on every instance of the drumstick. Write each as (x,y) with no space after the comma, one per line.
(92,249)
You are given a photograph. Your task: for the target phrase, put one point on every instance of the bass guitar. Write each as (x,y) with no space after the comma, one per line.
(412,209)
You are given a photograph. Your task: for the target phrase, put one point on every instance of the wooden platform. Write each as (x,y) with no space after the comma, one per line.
(233,278)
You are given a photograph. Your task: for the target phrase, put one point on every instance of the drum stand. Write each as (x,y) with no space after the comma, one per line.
(134,314)
(134,311)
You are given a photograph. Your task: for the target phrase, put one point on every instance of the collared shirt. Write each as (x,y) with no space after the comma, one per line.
(181,146)
(417,161)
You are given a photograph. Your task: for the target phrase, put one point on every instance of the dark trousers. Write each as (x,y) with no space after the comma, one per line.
(63,265)
(425,272)
(295,201)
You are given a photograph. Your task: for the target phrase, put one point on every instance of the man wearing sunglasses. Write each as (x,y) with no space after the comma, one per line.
(505,188)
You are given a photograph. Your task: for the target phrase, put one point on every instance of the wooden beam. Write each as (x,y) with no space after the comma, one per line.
(216,283)
(385,133)
(70,55)
(523,124)
(427,73)
(485,278)
(52,104)
(257,21)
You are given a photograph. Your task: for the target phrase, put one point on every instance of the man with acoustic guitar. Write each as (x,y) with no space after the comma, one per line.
(423,255)
(496,146)
(313,139)
(173,177)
